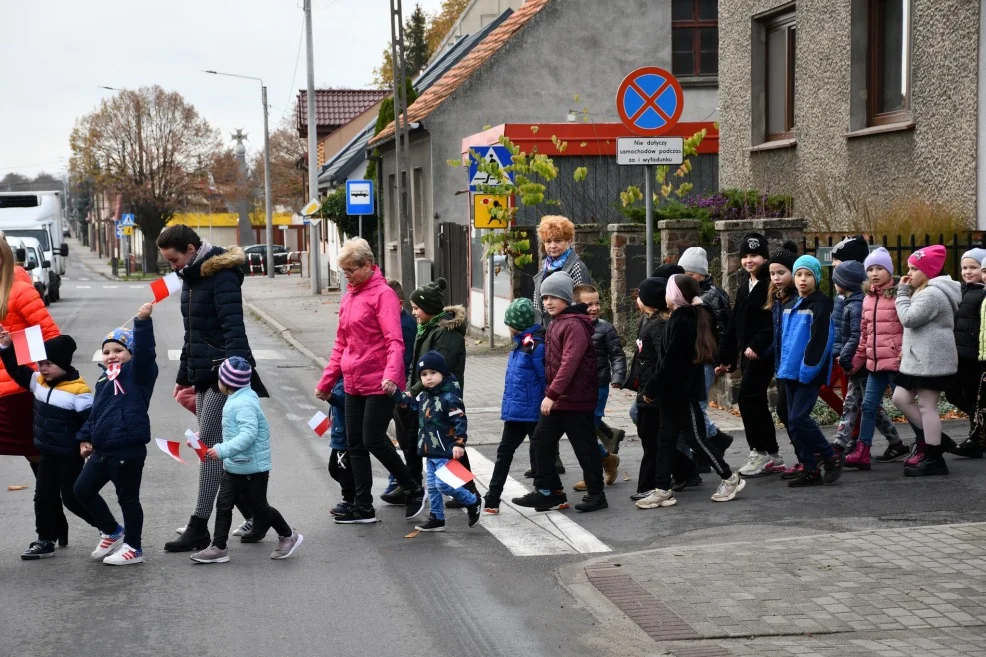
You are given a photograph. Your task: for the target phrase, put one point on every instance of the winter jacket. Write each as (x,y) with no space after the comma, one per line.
(60,407)
(409,329)
(777,320)
(570,361)
(24,308)
(968,322)
(838,310)
(369,345)
(750,326)
(441,418)
(245,448)
(650,333)
(337,402)
(677,375)
(928,319)
(716,300)
(806,340)
(575,268)
(880,334)
(523,384)
(212,309)
(847,336)
(448,338)
(611,361)
(118,423)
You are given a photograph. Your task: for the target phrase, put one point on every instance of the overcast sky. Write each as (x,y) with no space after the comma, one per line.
(55,54)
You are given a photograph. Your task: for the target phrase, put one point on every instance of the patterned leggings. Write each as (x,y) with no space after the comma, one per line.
(851,410)
(209,411)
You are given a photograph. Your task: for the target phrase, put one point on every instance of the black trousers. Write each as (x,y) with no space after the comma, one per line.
(341,470)
(56,480)
(406,423)
(254,488)
(752,399)
(101,469)
(366,430)
(648,427)
(580,428)
(965,386)
(683,417)
(512,437)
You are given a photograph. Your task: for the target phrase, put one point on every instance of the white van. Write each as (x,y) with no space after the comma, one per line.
(38,216)
(34,263)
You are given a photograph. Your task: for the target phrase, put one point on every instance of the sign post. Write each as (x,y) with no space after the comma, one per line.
(127,223)
(359,200)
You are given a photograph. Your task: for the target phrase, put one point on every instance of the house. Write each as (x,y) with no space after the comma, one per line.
(339,115)
(874,100)
(477,15)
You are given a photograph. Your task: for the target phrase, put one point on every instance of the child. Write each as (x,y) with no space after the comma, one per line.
(965,385)
(806,361)
(441,436)
(340,468)
(115,439)
(611,369)
(926,305)
(245,453)
(748,339)
(569,401)
(678,384)
(850,249)
(523,390)
(409,329)
(978,421)
(62,402)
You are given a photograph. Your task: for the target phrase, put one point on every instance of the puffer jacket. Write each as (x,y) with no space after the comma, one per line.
(751,324)
(611,361)
(881,335)
(245,448)
(212,309)
(777,319)
(806,340)
(448,338)
(574,267)
(409,329)
(369,344)
(118,423)
(570,361)
(337,402)
(24,308)
(928,319)
(716,300)
(847,336)
(838,311)
(650,333)
(442,421)
(677,375)
(523,383)
(968,322)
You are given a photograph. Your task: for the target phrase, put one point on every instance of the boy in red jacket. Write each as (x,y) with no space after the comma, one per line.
(569,402)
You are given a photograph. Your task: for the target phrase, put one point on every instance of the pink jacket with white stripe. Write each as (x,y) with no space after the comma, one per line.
(881,334)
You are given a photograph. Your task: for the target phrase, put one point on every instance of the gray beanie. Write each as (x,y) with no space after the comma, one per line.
(976,254)
(695,260)
(560,285)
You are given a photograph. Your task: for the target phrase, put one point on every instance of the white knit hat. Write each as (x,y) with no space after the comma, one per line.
(695,260)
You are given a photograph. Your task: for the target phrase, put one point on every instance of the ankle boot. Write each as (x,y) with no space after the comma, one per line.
(970,449)
(611,468)
(931,464)
(859,458)
(195,537)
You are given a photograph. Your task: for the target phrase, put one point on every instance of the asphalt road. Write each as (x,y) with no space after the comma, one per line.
(355,590)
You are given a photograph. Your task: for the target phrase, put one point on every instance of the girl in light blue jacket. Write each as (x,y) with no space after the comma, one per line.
(245,453)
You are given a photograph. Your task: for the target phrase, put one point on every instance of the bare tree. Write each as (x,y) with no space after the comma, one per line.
(288,167)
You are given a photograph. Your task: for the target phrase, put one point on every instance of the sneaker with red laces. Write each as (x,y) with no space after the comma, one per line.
(125,556)
(793,471)
(108,544)
(917,453)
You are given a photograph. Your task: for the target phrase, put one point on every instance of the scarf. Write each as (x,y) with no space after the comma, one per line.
(554,264)
(202,252)
(430,324)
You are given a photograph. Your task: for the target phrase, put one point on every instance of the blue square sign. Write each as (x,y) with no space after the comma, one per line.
(359,197)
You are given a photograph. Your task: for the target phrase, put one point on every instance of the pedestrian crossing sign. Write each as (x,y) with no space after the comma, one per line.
(127,220)
(498,155)
(485,205)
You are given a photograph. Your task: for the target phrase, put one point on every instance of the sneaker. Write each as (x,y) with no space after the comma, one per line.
(245,528)
(394,497)
(806,478)
(211,554)
(357,516)
(287,545)
(541,502)
(474,511)
(39,550)
(639,496)
(529,473)
(657,498)
(793,472)
(108,544)
(592,503)
(776,463)
(391,485)
(933,464)
(415,503)
(728,488)
(432,525)
(832,469)
(491,504)
(894,452)
(969,449)
(917,453)
(125,556)
(755,464)
(341,508)
(678,486)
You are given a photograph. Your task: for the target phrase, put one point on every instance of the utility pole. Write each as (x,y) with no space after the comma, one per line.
(402,143)
(268,198)
(315,244)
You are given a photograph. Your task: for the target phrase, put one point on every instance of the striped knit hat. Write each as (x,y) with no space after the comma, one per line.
(235,372)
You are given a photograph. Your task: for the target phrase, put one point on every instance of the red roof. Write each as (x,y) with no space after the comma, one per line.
(335,108)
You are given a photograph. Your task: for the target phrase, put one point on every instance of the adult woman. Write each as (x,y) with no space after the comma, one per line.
(369,356)
(556,235)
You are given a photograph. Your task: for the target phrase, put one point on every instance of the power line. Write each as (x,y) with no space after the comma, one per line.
(297,58)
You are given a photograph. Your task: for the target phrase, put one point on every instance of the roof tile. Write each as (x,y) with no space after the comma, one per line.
(335,108)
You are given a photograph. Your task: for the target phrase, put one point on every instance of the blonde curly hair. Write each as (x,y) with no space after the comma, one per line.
(556,227)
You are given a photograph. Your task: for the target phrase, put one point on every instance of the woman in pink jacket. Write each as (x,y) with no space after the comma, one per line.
(369,356)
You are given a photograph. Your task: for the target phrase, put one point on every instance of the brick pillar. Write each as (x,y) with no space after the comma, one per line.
(623,305)
(731,233)
(676,236)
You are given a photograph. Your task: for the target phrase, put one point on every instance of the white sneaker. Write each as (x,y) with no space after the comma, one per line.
(728,488)
(125,556)
(657,498)
(776,463)
(245,528)
(108,544)
(755,464)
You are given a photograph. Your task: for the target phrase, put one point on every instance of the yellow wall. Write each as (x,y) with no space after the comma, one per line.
(226,219)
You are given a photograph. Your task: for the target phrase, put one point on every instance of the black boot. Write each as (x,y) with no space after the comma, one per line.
(195,537)
(970,449)
(930,465)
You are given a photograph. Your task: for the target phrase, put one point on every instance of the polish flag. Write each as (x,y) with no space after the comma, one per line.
(29,345)
(320,423)
(170,447)
(192,440)
(165,287)
(454,474)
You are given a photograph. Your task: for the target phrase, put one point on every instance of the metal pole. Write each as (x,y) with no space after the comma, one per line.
(268,201)
(402,143)
(361,226)
(491,296)
(315,232)
(649,201)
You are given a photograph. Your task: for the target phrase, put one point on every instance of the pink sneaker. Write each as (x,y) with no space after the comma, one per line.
(917,453)
(859,458)
(793,471)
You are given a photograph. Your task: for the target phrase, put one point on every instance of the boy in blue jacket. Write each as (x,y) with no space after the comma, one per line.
(245,453)
(339,466)
(115,439)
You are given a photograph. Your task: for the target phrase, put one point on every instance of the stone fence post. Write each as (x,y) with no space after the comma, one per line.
(678,235)
(622,236)
(731,233)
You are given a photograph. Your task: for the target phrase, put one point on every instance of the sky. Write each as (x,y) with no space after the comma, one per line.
(55,54)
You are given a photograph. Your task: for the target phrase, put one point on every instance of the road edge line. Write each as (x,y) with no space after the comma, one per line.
(285,335)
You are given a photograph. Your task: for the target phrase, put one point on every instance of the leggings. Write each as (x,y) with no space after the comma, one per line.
(922,413)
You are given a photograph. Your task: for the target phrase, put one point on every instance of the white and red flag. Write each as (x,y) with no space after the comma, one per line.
(454,474)
(29,345)
(165,287)
(192,440)
(170,447)
(320,423)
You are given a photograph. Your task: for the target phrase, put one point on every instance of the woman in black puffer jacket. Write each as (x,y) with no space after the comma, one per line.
(964,392)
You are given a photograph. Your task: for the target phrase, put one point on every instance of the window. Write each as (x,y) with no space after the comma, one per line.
(779,58)
(888,59)
(694,37)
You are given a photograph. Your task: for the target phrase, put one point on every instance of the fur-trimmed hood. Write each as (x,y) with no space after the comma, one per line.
(454,319)
(889,292)
(221,259)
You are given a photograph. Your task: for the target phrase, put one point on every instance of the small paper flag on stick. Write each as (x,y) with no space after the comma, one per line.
(165,287)
(29,345)
(320,423)
(192,441)
(454,474)
(170,447)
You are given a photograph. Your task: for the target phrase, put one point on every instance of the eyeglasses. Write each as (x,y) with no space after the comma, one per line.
(349,271)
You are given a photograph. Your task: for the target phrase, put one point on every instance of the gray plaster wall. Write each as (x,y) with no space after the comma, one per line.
(935,161)
(419,157)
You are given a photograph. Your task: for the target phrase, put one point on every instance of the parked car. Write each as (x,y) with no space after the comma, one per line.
(257,256)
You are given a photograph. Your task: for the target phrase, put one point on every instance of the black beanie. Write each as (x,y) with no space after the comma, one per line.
(59,350)
(652,292)
(754,243)
(786,256)
(851,248)
(666,271)
(433,361)
(430,297)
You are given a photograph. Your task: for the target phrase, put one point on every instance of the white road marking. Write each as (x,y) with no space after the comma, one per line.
(98,356)
(110,287)
(137,287)
(82,287)
(83,279)
(259,354)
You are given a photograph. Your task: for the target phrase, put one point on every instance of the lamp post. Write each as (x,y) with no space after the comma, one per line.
(268,202)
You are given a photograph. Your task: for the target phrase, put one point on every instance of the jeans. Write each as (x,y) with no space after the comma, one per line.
(56,479)
(406,424)
(254,488)
(710,378)
(125,474)
(683,417)
(808,439)
(873,413)
(438,489)
(602,396)
(578,426)
(366,430)
(341,470)
(512,437)
(752,399)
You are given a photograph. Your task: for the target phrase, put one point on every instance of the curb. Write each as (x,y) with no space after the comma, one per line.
(285,335)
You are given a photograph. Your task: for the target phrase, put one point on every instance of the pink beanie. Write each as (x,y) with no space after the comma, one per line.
(930,260)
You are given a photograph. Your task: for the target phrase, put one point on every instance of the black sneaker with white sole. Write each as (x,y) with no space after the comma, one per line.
(39,550)
(540,502)
(415,502)
(357,516)
(475,510)
(433,525)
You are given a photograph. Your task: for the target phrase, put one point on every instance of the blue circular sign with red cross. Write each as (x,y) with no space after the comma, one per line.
(650,101)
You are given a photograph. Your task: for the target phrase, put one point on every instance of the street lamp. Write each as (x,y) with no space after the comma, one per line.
(267,192)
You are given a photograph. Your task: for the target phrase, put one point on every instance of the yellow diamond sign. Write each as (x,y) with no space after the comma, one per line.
(311,208)
(484,205)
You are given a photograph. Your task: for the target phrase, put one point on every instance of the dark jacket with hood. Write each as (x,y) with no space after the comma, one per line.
(441,418)
(447,337)
(570,361)
(716,300)
(677,375)
(967,320)
(650,333)
(751,325)
(848,328)
(611,361)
